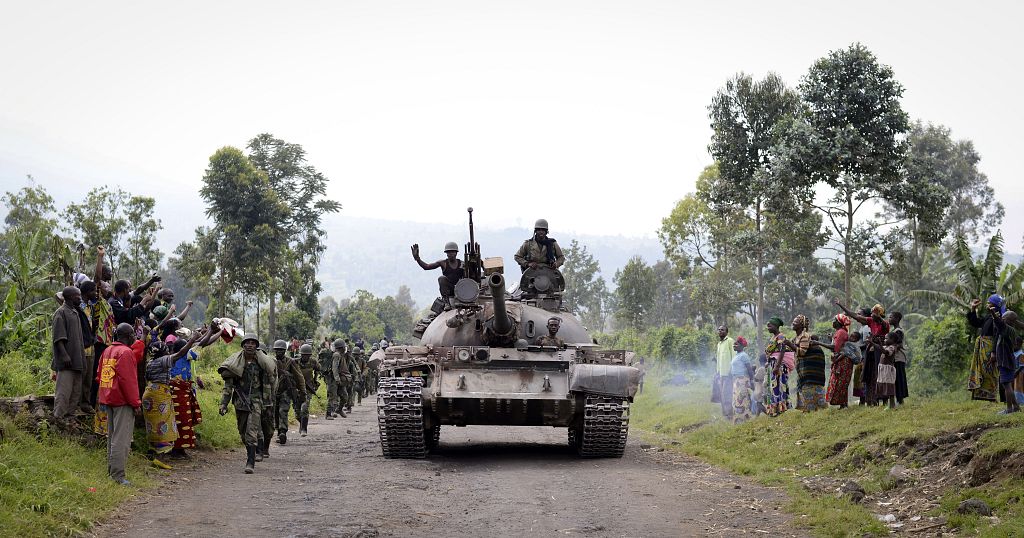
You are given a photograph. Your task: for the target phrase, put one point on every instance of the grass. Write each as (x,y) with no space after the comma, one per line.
(837,443)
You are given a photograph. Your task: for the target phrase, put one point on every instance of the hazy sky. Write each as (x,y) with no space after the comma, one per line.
(591,114)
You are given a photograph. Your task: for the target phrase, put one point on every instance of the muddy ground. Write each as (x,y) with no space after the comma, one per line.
(482,481)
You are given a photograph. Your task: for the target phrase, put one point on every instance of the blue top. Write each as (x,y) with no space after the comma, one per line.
(740,364)
(182,368)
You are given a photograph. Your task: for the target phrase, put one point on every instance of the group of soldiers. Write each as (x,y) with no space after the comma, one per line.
(264,390)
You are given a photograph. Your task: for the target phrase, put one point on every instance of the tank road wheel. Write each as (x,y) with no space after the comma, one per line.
(605,427)
(400,417)
(433,436)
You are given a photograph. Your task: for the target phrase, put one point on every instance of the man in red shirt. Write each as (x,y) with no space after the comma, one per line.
(119,397)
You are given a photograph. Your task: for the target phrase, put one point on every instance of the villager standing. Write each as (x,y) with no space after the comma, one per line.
(780,363)
(723,374)
(993,354)
(248,385)
(879,328)
(742,371)
(842,363)
(900,358)
(69,330)
(810,367)
(119,399)
(158,398)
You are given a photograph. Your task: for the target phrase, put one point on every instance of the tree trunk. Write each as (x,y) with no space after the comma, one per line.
(847,264)
(258,324)
(272,314)
(759,312)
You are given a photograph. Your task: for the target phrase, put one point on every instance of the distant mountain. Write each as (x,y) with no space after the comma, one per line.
(374,255)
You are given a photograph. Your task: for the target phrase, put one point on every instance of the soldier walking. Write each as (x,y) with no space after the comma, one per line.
(310,371)
(354,377)
(248,385)
(339,376)
(291,389)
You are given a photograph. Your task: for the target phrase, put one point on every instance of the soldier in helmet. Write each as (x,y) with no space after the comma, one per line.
(310,371)
(451,267)
(356,385)
(540,250)
(291,389)
(339,376)
(249,378)
(551,339)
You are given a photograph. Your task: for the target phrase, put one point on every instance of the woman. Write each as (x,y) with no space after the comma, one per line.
(187,414)
(878,328)
(900,357)
(810,367)
(842,365)
(158,399)
(993,362)
(780,363)
(741,370)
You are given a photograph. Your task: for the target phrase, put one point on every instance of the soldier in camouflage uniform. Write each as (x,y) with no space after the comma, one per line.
(342,375)
(355,387)
(310,371)
(540,250)
(248,384)
(552,339)
(291,389)
(325,370)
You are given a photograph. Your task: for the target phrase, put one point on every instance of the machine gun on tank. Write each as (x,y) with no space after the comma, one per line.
(474,264)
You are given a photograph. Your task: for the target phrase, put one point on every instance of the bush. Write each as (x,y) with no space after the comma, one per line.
(941,351)
(677,346)
(23,372)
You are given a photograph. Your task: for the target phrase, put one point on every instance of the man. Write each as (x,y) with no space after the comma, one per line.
(70,330)
(551,339)
(291,389)
(126,307)
(341,376)
(92,310)
(327,370)
(540,250)
(354,380)
(725,353)
(451,268)
(119,399)
(249,385)
(310,371)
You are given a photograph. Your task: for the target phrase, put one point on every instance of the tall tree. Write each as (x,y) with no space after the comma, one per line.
(749,119)
(28,210)
(142,258)
(634,293)
(851,138)
(99,220)
(585,290)
(672,299)
(302,189)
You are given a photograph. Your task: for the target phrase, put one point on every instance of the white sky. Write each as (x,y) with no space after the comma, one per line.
(592,114)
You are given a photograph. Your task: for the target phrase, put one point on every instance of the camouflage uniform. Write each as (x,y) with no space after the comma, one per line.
(291,393)
(310,371)
(248,394)
(532,251)
(268,415)
(550,341)
(326,369)
(355,385)
(343,379)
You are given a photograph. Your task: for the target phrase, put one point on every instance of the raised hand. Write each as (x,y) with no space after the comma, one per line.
(416,251)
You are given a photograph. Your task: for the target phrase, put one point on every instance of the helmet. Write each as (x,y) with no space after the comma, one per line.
(359,351)
(375,347)
(541,224)
(305,349)
(251,336)
(339,344)
(280,344)
(451,246)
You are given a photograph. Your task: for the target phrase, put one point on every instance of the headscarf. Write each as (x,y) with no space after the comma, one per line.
(160,312)
(878,309)
(741,341)
(802,321)
(776,320)
(844,320)
(997,301)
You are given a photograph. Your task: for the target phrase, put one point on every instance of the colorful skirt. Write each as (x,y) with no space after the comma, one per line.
(839,381)
(812,398)
(187,413)
(885,384)
(982,381)
(776,390)
(158,410)
(741,399)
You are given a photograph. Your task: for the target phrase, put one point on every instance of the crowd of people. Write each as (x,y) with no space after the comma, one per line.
(869,363)
(123,358)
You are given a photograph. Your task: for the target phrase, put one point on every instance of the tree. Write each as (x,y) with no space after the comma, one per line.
(302,189)
(979,278)
(328,306)
(28,210)
(586,292)
(99,220)
(404,298)
(672,299)
(142,258)
(850,138)
(295,323)
(749,119)
(634,293)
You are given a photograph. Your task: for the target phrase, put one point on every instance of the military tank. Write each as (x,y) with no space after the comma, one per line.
(476,364)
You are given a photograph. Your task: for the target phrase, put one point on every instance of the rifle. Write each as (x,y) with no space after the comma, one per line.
(244,398)
(474,265)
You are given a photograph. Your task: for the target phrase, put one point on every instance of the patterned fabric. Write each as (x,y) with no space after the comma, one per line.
(839,381)
(187,413)
(158,410)
(982,380)
(102,317)
(810,367)
(776,387)
(812,398)
(741,399)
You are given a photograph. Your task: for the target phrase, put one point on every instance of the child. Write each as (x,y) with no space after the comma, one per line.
(885,383)
(757,403)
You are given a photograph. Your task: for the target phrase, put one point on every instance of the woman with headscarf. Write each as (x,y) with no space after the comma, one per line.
(842,365)
(158,399)
(993,362)
(741,370)
(187,413)
(878,327)
(810,367)
(780,363)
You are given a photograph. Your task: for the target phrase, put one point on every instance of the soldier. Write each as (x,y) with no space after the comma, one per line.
(451,268)
(291,389)
(249,377)
(364,376)
(310,371)
(551,339)
(355,376)
(540,250)
(341,377)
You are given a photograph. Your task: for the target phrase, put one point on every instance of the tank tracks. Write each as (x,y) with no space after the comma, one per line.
(400,418)
(605,428)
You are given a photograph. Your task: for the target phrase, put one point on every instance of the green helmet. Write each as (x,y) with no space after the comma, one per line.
(451,246)
(339,344)
(375,347)
(280,344)
(359,350)
(541,224)
(305,349)
(251,336)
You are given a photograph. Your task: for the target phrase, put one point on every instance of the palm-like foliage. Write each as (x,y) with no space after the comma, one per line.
(40,263)
(979,278)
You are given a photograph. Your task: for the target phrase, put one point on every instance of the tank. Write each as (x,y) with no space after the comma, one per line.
(478,363)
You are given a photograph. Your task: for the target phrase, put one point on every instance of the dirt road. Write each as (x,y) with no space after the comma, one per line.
(483,481)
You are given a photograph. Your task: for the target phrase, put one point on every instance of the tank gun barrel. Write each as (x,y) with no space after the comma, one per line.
(502,323)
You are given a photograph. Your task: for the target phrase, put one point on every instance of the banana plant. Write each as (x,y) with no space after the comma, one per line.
(981,277)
